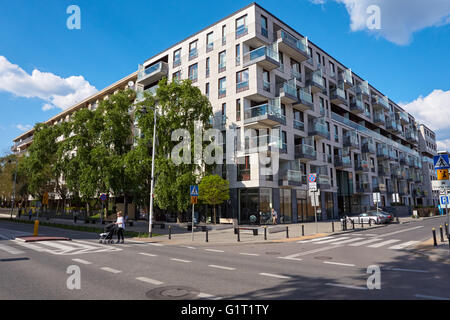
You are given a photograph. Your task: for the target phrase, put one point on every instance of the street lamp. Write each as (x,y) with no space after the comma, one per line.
(14,188)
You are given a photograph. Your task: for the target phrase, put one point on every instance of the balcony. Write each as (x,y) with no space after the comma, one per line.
(345,77)
(318,129)
(337,96)
(297,49)
(288,92)
(411,136)
(257,144)
(391,125)
(268,114)
(368,146)
(404,119)
(379,118)
(363,187)
(384,171)
(323,181)
(342,162)
(218,121)
(362,166)
(295,74)
(363,89)
(292,178)
(263,56)
(351,140)
(305,152)
(153,73)
(357,106)
(22,143)
(304,101)
(382,152)
(299,125)
(140,94)
(379,102)
(392,154)
(315,81)
(396,172)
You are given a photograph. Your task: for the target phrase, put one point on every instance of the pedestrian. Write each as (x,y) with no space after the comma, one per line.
(30,214)
(274,216)
(121,226)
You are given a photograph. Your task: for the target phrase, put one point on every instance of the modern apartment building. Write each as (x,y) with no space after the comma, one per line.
(274,90)
(428,149)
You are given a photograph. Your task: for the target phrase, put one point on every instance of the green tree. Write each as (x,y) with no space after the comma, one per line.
(214,190)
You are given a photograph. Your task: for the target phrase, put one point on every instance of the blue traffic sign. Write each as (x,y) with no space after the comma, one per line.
(194,191)
(103,197)
(444,200)
(441,162)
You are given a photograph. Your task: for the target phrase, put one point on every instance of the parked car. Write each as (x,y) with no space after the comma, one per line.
(388,217)
(371,216)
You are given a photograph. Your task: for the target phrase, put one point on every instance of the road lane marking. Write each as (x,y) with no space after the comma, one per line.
(274,275)
(148,280)
(314,240)
(155,244)
(110,270)
(31,246)
(408,270)
(377,245)
(294,256)
(430,297)
(332,240)
(249,254)
(214,250)
(221,267)
(189,247)
(403,245)
(10,250)
(81,261)
(180,260)
(345,286)
(57,245)
(364,242)
(339,264)
(148,254)
(400,231)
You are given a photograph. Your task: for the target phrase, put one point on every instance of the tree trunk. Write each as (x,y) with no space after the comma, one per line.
(215,218)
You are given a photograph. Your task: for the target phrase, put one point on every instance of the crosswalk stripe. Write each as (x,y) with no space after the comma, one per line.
(82,261)
(314,240)
(10,250)
(85,246)
(30,246)
(348,241)
(57,245)
(364,242)
(403,245)
(110,270)
(377,245)
(332,240)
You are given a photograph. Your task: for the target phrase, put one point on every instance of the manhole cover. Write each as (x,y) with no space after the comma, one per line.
(173,293)
(273,252)
(323,258)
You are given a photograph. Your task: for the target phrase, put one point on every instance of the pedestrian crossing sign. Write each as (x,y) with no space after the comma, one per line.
(194,191)
(441,162)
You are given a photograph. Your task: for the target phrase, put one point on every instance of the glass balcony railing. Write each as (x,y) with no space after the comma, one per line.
(391,124)
(315,79)
(351,139)
(156,68)
(379,101)
(241,31)
(218,121)
(299,125)
(342,161)
(338,94)
(346,77)
(240,86)
(318,127)
(305,151)
(305,96)
(151,91)
(363,88)
(378,117)
(193,53)
(290,89)
(362,165)
(256,144)
(295,74)
(264,109)
(300,45)
(382,151)
(261,52)
(293,176)
(403,115)
(357,105)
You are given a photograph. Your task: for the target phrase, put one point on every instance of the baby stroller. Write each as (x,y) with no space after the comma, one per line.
(107,236)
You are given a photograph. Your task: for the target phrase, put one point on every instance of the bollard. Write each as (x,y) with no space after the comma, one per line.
(446,230)
(332,226)
(265,233)
(36,228)
(434,238)
(397,219)
(238,235)
(370,222)
(287,232)
(442,233)
(170,232)
(362,223)
(207,234)
(303,230)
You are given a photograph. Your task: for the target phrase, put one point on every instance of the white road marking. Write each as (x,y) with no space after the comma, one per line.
(339,263)
(148,254)
(81,261)
(3,237)
(294,256)
(430,297)
(409,270)
(31,246)
(249,254)
(403,245)
(57,245)
(155,244)
(274,275)
(377,245)
(400,231)
(188,247)
(214,250)
(364,242)
(348,241)
(221,267)
(332,240)
(314,240)
(10,250)
(345,286)
(148,280)
(110,270)
(180,260)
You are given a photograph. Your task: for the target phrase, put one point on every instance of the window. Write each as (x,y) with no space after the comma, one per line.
(285,206)
(222,61)
(336,133)
(332,71)
(209,42)
(244,170)
(207,89)
(193,72)
(280,56)
(177,58)
(207,67)
(283,146)
(224,113)
(266,80)
(264,28)
(222,87)
(242,80)
(193,50)
(238,54)
(318,58)
(224,34)
(176,76)
(238,110)
(241,27)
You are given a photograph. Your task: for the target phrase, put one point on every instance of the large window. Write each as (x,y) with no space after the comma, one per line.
(285,206)
(222,87)
(207,67)
(193,75)
(222,61)
(244,170)
(238,110)
(264,27)
(238,54)
(241,26)
(266,80)
(209,42)
(242,80)
(176,58)
(193,50)
(224,34)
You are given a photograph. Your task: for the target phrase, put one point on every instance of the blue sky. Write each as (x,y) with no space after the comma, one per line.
(408,59)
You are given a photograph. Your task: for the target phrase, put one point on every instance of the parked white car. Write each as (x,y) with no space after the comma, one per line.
(372,216)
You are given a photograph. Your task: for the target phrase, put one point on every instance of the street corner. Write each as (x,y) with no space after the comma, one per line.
(439,253)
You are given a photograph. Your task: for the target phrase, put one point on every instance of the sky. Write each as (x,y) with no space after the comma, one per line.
(45,66)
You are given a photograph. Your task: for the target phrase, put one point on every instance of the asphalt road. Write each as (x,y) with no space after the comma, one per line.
(328,268)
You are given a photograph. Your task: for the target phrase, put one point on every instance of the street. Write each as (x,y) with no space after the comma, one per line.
(331,267)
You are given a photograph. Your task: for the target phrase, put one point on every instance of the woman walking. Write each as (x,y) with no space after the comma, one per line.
(121,226)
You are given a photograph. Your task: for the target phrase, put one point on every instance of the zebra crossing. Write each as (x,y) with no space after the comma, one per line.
(358,241)
(74,247)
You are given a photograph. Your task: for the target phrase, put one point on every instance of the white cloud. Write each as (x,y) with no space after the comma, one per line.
(433,111)
(24,128)
(399,18)
(57,92)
